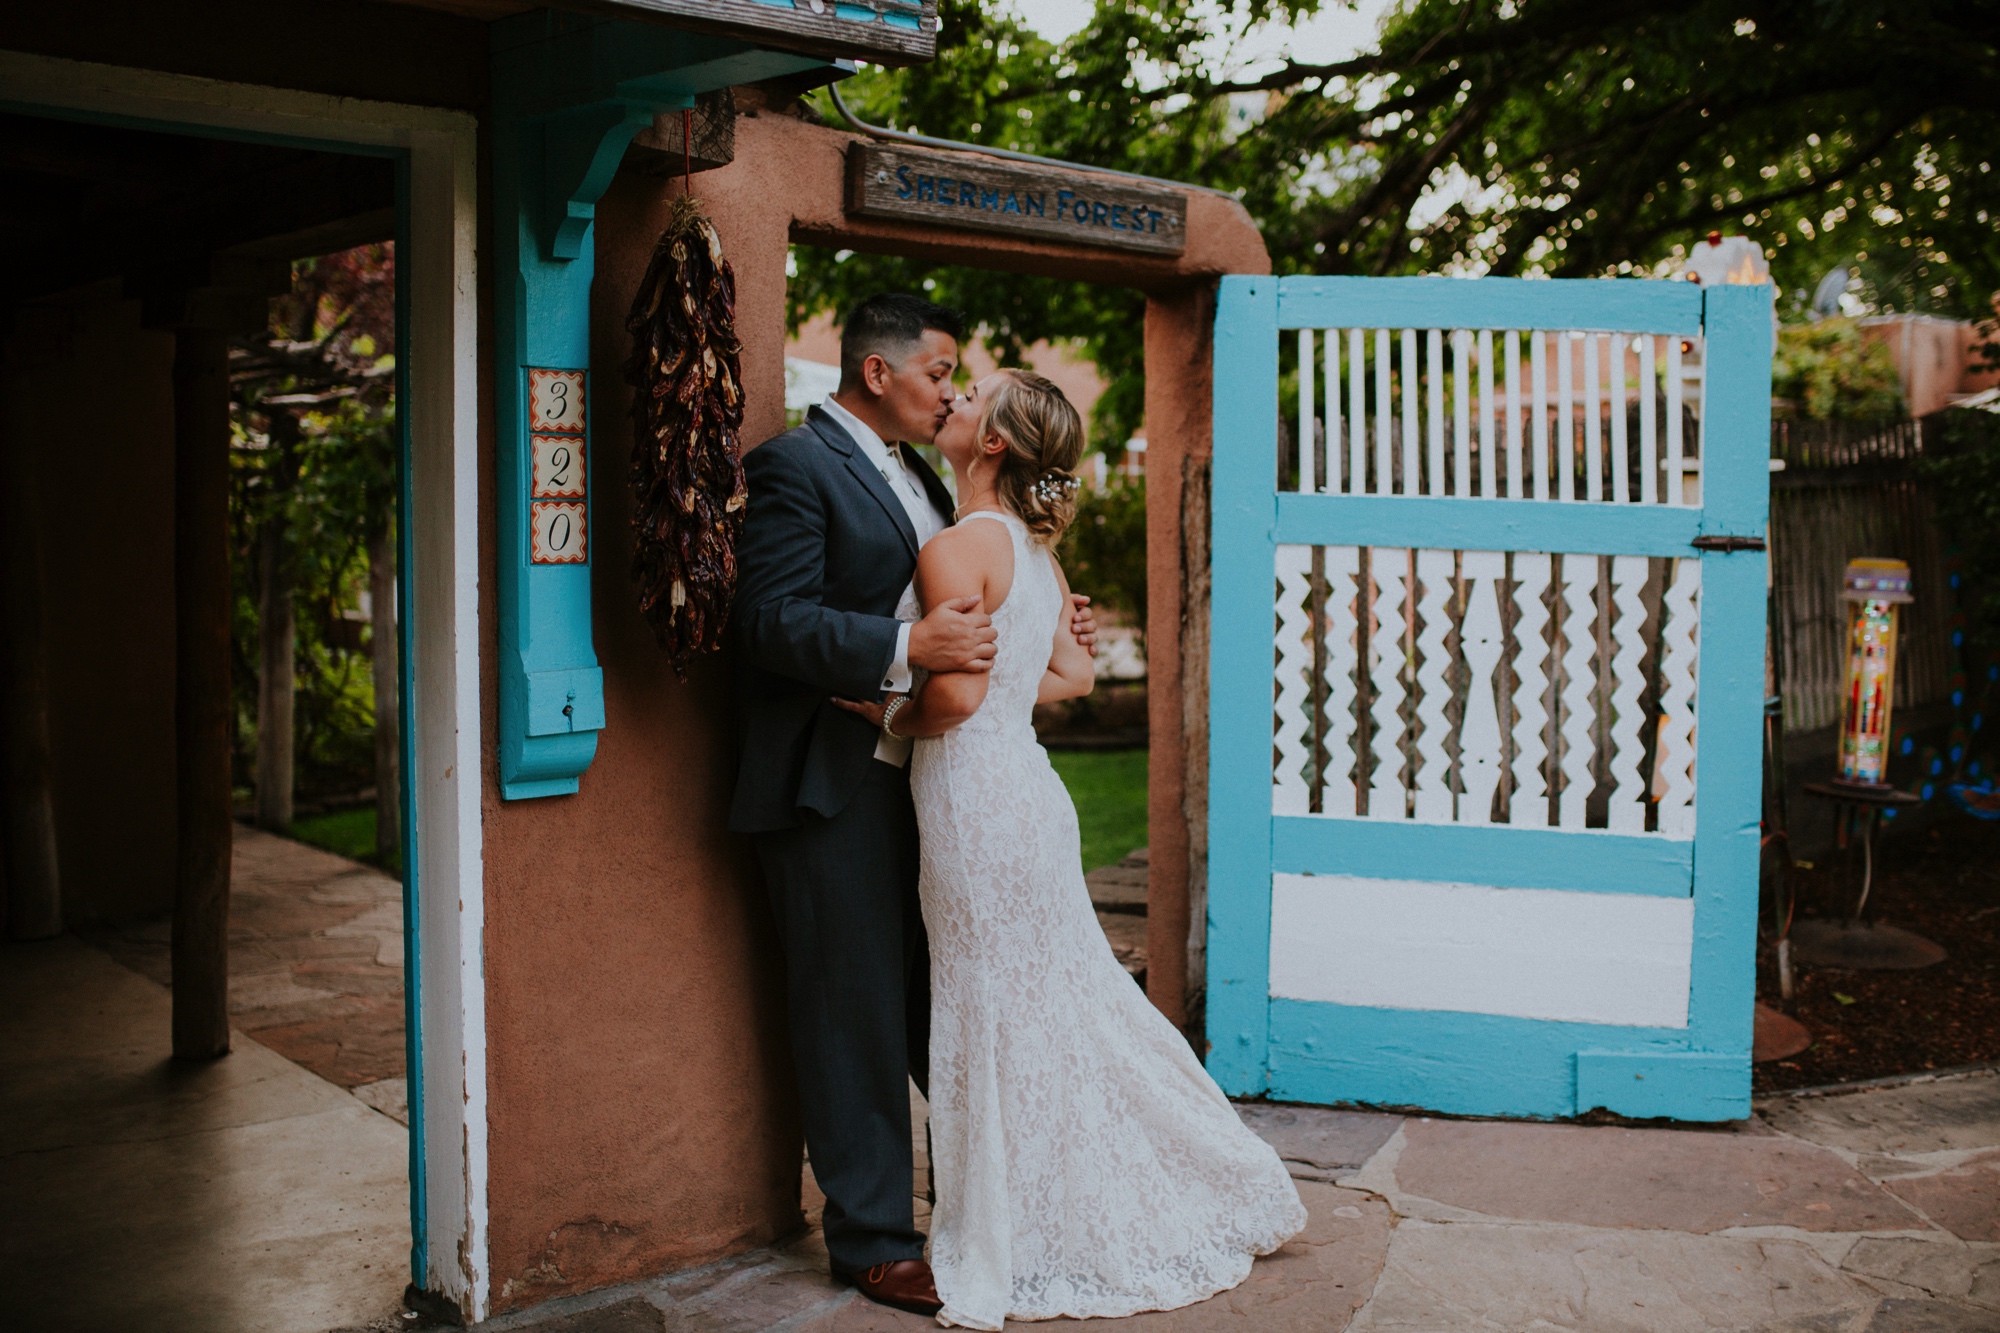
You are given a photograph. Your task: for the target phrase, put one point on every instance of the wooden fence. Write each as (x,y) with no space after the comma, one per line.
(1853,489)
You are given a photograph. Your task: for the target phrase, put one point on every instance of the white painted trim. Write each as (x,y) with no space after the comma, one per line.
(443,411)
(1618,958)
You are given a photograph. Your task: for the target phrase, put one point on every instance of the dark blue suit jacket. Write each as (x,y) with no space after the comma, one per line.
(826,552)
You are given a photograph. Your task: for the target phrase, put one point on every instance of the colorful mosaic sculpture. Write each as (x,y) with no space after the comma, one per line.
(1873,590)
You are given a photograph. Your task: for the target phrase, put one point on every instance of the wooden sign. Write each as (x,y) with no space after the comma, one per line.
(960,190)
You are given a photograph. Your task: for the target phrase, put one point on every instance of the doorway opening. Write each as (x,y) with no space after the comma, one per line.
(204,598)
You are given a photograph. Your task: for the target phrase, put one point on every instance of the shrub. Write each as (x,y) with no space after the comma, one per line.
(1828,370)
(1104,551)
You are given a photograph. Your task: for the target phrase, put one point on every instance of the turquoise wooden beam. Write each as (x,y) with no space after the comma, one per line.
(569,92)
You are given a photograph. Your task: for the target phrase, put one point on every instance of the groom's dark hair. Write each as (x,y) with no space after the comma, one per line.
(890,326)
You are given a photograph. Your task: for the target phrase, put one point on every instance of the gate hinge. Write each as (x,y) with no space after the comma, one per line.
(1720,543)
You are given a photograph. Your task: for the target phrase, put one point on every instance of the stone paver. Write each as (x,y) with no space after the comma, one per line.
(1498,1278)
(1680,1180)
(1931,1115)
(1964,1199)
(1933,1267)
(1316,1142)
(315,957)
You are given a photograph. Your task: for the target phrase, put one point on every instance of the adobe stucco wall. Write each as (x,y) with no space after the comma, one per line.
(641,1111)
(89,455)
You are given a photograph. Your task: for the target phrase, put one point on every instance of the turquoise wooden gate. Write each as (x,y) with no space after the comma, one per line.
(1485,694)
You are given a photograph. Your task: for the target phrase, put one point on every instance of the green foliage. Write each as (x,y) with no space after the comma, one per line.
(1963,448)
(1561,137)
(1109,788)
(1104,550)
(348,833)
(313,423)
(1828,370)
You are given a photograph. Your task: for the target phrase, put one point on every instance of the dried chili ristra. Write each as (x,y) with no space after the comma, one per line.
(687,409)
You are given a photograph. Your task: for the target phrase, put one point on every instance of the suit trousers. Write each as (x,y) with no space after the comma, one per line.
(844,891)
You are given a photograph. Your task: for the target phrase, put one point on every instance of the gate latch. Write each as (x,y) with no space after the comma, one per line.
(1720,543)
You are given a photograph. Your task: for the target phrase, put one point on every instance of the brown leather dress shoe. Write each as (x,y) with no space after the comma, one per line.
(905,1284)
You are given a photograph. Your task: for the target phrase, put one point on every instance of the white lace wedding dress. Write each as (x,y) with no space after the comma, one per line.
(1086,1164)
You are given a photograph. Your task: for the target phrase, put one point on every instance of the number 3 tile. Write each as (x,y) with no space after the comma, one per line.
(555,402)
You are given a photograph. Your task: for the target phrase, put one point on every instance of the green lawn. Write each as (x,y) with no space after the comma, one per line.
(1109,788)
(349,833)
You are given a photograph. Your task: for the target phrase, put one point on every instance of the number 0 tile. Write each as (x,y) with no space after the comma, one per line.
(556,531)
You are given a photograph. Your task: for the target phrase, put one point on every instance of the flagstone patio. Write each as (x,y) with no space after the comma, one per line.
(251,1192)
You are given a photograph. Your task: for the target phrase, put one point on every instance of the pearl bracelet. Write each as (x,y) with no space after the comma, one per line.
(895,706)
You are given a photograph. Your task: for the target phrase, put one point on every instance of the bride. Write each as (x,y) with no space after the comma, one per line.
(1085,1163)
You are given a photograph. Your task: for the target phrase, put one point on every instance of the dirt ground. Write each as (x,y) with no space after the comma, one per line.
(1942,882)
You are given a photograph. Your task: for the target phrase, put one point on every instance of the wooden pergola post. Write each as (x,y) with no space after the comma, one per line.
(34,884)
(201,693)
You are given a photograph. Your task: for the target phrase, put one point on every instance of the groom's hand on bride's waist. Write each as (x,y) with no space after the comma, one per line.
(954,637)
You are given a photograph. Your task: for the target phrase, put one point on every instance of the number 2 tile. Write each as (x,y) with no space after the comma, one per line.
(558,466)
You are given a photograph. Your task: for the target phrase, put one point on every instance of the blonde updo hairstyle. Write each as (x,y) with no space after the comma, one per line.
(1044,438)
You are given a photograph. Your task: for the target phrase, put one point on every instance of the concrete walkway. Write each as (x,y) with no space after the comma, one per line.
(241,1195)
(1872,1211)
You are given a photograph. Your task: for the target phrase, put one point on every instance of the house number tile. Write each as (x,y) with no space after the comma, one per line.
(558,462)
(555,402)
(556,532)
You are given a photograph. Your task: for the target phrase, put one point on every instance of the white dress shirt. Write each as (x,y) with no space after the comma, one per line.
(908,488)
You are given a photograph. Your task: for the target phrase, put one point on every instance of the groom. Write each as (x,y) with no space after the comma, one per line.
(838,508)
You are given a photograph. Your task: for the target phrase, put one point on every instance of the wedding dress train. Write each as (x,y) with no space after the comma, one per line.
(1086,1164)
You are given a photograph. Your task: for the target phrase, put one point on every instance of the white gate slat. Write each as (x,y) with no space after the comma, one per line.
(1593,418)
(1339,794)
(1566,459)
(1516,482)
(1335,452)
(1357,414)
(1389,569)
(1479,643)
(1385,419)
(1579,576)
(1307,415)
(1434,599)
(1486,405)
(1461,424)
(1679,649)
(1649,441)
(1289,795)
(1621,454)
(1676,456)
(1529,804)
(1537,342)
(1434,356)
(1411,392)
(1628,797)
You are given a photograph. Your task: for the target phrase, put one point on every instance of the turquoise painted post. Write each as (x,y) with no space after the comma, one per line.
(1242,487)
(569,93)
(413,995)
(1710,1080)
(1736,502)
